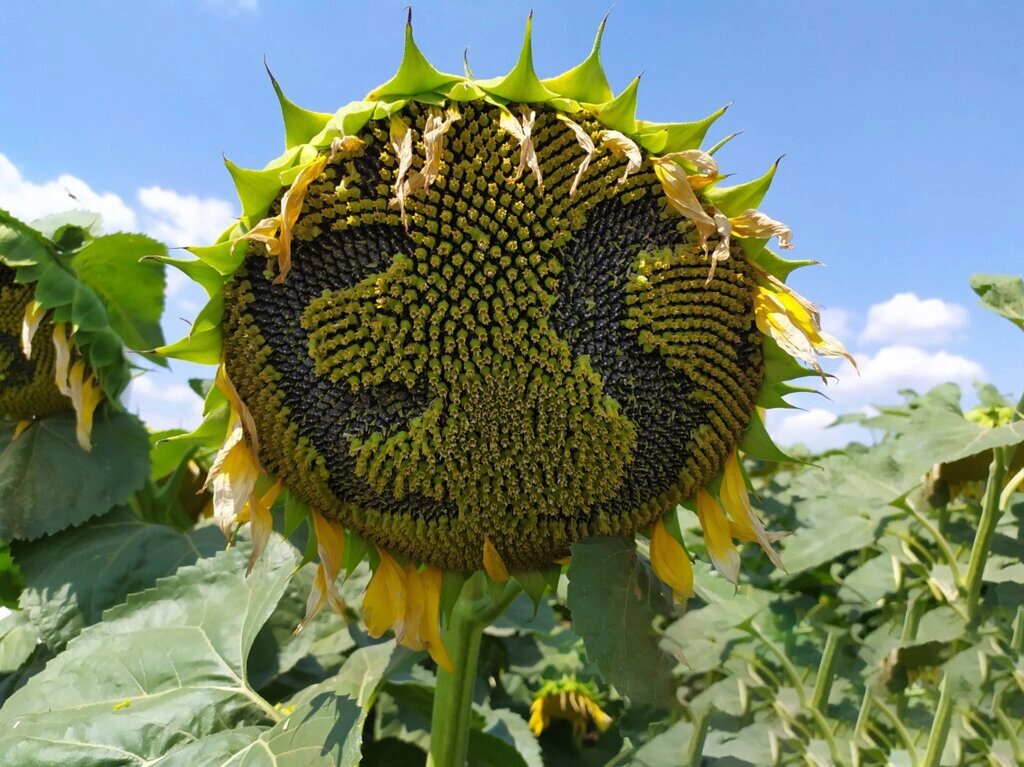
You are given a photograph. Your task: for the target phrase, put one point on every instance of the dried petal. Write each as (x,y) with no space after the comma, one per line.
(681,196)
(384,604)
(623,146)
(527,152)
(291,207)
(233,478)
(342,144)
(401,142)
(721,252)
(433,147)
(265,232)
(261,521)
(330,544)
(85,397)
(62,361)
(19,428)
(586,144)
(754,223)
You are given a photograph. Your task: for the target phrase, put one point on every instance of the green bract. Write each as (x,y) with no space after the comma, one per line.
(465,311)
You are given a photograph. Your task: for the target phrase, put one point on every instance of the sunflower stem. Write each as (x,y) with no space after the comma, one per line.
(452,716)
(990,513)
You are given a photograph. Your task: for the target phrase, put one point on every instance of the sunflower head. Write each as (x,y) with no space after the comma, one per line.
(567,698)
(28,386)
(475,321)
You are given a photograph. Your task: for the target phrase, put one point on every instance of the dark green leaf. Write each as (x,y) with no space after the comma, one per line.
(73,576)
(47,482)
(614,598)
(132,290)
(161,671)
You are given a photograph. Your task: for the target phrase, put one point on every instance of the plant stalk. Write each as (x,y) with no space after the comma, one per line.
(453,696)
(990,513)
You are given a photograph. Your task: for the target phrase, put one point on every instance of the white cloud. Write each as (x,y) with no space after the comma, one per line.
(836,322)
(811,428)
(897,367)
(183,219)
(28,201)
(163,404)
(907,319)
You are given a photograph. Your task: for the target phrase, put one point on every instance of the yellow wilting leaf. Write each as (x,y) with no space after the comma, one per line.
(493,563)
(754,223)
(33,316)
(721,549)
(744,523)
(291,207)
(623,146)
(794,323)
(527,153)
(586,144)
(670,562)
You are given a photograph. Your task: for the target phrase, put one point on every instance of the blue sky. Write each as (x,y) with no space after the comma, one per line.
(900,123)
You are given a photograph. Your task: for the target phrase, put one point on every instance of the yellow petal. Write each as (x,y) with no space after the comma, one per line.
(586,144)
(794,323)
(623,146)
(721,549)
(62,361)
(493,563)
(601,720)
(681,196)
(385,598)
(85,395)
(265,232)
(670,562)
(238,408)
(344,144)
(33,316)
(736,500)
(538,718)
(521,132)
(754,223)
(330,544)
(424,615)
(19,428)
(291,207)
(262,521)
(233,479)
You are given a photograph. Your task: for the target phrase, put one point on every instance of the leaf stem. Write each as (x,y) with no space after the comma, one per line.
(990,513)
(826,672)
(452,715)
(940,725)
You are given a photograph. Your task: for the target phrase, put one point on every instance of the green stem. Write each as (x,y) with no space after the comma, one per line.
(990,513)
(452,716)
(940,725)
(826,672)
(695,751)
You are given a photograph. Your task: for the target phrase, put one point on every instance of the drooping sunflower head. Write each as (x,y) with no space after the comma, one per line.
(475,321)
(27,377)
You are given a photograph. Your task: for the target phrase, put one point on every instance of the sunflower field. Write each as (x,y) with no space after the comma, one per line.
(483,475)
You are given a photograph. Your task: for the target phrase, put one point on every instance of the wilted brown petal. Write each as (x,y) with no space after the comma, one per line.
(623,146)
(586,143)
(754,223)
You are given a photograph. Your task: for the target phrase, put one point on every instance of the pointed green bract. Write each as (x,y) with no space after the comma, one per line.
(723,142)
(758,444)
(522,83)
(771,262)
(202,273)
(256,189)
(663,138)
(299,124)
(415,75)
(734,200)
(224,257)
(620,113)
(586,81)
(204,342)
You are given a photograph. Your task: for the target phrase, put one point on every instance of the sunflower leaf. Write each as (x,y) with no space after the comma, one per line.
(73,576)
(615,597)
(1003,294)
(161,671)
(48,483)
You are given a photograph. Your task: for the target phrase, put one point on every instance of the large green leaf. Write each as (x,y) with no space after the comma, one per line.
(11,581)
(48,483)
(18,640)
(132,290)
(325,727)
(1003,294)
(161,671)
(615,598)
(73,576)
